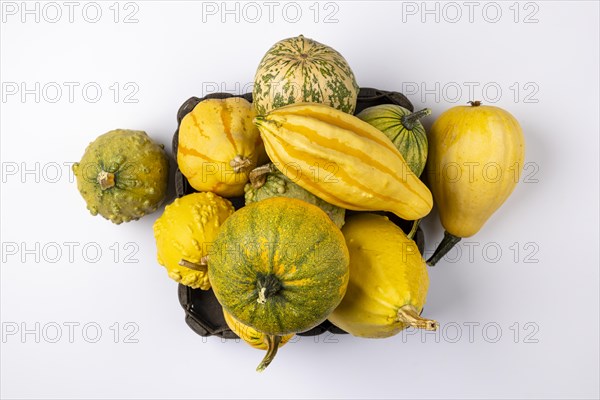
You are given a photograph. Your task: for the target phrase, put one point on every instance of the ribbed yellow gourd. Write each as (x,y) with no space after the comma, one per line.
(343,160)
(476,156)
(256,339)
(219,146)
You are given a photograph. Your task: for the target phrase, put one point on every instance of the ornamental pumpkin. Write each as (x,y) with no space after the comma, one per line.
(279,265)
(343,160)
(267,181)
(476,158)
(257,339)
(184,232)
(123,175)
(388,280)
(219,145)
(299,69)
(404,129)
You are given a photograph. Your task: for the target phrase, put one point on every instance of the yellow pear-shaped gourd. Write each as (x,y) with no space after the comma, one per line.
(475,160)
(388,280)
(184,233)
(258,340)
(219,145)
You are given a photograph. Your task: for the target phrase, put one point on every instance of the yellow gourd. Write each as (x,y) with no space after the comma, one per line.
(184,233)
(475,160)
(388,280)
(343,160)
(219,145)
(256,339)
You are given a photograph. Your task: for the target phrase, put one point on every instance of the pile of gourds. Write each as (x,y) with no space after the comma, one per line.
(293,256)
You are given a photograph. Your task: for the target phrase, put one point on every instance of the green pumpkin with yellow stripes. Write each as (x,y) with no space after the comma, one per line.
(298,70)
(279,265)
(219,145)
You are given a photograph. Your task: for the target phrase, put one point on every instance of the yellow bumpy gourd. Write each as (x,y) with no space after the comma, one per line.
(184,233)
(388,280)
(343,160)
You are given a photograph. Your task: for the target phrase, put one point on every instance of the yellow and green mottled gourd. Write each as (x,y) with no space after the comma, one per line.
(299,69)
(343,160)
(267,181)
(184,233)
(476,156)
(219,145)
(123,175)
(257,339)
(279,265)
(388,280)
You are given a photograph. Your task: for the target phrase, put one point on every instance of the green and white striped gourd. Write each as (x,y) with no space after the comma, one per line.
(299,69)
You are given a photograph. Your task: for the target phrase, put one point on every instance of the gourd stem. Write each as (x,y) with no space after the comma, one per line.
(240,164)
(413,230)
(106,180)
(273,342)
(444,247)
(409,315)
(267,286)
(410,121)
(258,176)
(202,266)
(475,103)
(262,299)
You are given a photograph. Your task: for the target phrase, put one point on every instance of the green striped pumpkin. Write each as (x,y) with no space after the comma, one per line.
(279,265)
(404,130)
(302,70)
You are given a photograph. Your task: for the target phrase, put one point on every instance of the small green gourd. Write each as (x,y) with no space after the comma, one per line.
(123,175)
(267,181)
(404,129)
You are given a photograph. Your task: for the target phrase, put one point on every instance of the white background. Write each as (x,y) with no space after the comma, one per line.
(541,291)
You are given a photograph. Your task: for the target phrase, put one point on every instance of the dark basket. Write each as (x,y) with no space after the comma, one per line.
(204,314)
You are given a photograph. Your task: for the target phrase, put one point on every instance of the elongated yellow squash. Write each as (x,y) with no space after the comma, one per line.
(343,160)
(475,160)
(388,280)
